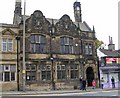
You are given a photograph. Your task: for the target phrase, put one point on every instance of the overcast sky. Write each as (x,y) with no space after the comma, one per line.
(103,14)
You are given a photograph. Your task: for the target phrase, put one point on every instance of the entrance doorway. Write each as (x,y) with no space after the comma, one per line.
(89,75)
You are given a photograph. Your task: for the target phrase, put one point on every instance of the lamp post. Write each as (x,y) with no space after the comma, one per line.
(18,88)
(24,65)
(51,55)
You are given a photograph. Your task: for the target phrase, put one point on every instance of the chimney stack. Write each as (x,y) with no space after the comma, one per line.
(111,46)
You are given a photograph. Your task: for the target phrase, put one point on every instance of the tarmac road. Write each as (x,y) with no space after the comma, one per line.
(97,93)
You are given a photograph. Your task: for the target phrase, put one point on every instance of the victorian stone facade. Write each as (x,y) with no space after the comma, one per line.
(57,52)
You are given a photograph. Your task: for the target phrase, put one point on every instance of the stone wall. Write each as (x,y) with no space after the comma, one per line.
(8,86)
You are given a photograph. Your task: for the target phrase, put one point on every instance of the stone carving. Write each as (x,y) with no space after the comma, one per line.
(38,23)
(65,25)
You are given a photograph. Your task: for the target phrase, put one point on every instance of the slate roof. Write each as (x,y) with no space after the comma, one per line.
(112,53)
(82,25)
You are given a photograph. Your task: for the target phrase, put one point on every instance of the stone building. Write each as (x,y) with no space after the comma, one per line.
(57,51)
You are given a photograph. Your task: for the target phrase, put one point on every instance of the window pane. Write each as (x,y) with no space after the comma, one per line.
(12,76)
(71,67)
(37,46)
(90,49)
(71,41)
(70,49)
(62,49)
(1,76)
(33,67)
(10,43)
(28,75)
(27,67)
(66,49)
(76,74)
(1,68)
(48,75)
(72,74)
(58,74)
(36,39)
(4,45)
(62,41)
(7,76)
(12,67)
(63,74)
(32,39)
(75,67)
(86,49)
(42,40)
(6,67)
(58,67)
(42,49)
(33,75)
(43,67)
(32,48)
(43,75)
(62,66)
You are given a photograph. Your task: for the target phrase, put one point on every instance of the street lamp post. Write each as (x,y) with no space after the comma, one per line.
(18,88)
(24,65)
(51,56)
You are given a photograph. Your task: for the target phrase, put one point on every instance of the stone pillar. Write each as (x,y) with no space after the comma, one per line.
(68,72)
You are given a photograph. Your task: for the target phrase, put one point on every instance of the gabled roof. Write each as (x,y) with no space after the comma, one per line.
(82,25)
(100,54)
(112,53)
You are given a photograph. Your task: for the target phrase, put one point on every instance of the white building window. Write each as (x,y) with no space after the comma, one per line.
(4,44)
(7,44)
(10,44)
(8,73)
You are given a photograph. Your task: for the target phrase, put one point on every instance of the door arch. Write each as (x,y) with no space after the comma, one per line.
(89,76)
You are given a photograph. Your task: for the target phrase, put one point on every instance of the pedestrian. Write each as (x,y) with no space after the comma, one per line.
(81,83)
(102,82)
(93,84)
(113,82)
(84,84)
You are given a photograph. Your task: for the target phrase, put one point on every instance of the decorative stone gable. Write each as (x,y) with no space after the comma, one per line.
(66,26)
(8,32)
(37,23)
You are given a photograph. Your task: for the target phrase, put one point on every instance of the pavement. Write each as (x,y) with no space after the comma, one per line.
(10,93)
